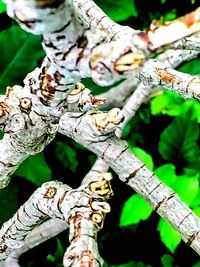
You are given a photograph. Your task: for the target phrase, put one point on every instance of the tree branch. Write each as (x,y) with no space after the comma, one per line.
(38,235)
(82,209)
(187,43)
(95,132)
(30,115)
(97,179)
(160,35)
(157,74)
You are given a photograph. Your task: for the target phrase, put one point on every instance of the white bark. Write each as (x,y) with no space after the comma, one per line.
(97,170)
(96,133)
(83,210)
(29,116)
(160,35)
(38,235)
(120,96)
(157,74)
(187,43)
(170,59)
(99,182)
(80,41)
(93,17)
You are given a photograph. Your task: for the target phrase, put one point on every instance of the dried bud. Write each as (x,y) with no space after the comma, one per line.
(129,61)
(25,103)
(102,120)
(96,218)
(102,187)
(100,206)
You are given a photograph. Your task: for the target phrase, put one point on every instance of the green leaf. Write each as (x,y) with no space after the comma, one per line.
(197,108)
(192,67)
(144,114)
(187,187)
(8,198)
(166,103)
(167,261)
(20,55)
(134,210)
(167,174)
(178,140)
(145,157)
(126,130)
(67,155)
(58,254)
(2,6)
(196,201)
(197,264)
(35,169)
(1,134)
(171,15)
(197,211)
(168,235)
(118,10)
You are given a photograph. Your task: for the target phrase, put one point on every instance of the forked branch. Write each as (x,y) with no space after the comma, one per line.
(81,41)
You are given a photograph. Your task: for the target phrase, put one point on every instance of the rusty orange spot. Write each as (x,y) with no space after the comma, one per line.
(46,81)
(189,19)
(4,107)
(4,111)
(47,90)
(166,76)
(9,89)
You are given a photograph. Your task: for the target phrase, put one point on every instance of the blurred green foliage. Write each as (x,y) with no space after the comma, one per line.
(67,155)
(2,6)
(22,52)
(121,10)
(164,134)
(35,169)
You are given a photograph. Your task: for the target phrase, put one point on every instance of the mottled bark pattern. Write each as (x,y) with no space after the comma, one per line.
(134,173)
(158,74)
(82,209)
(81,41)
